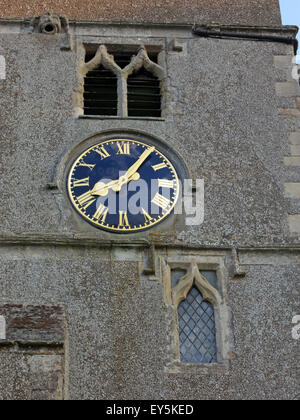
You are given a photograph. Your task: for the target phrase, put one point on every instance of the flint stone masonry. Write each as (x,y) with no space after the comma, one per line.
(101,296)
(45,131)
(119,327)
(29,376)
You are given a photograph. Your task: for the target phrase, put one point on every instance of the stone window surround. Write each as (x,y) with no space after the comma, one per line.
(139,60)
(224,334)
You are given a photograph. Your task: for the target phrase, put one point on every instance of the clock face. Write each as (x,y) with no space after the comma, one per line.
(123,186)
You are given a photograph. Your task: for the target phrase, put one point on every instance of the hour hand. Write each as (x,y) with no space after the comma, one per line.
(101,189)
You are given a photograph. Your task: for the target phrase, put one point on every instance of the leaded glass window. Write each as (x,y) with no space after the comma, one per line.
(197,331)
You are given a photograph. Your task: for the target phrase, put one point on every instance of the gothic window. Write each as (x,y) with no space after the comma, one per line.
(197,332)
(200,332)
(123,84)
(144,94)
(195,297)
(100,92)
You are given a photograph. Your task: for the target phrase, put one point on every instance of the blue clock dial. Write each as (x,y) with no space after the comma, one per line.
(123,186)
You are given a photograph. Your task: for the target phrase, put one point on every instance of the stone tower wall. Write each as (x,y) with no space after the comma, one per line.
(89,315)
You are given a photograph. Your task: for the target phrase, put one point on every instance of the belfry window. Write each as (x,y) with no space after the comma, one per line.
(100,92)
(122,83)
(144,96)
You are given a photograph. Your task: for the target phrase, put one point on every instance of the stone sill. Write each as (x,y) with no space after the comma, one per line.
(178,368)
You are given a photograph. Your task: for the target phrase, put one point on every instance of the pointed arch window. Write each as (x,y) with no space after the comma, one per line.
(144,94)
(197,330)
(200,328)
(195,299)
(122,84)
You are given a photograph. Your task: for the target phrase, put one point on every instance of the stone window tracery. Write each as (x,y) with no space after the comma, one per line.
(200,330)
(194,298)
(121,84)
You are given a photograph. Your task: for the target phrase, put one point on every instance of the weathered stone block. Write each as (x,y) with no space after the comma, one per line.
(294,222)
(292,190)
(288,88)
(283,62)
(291,112)
(292,161)
(295,139)
(295,150)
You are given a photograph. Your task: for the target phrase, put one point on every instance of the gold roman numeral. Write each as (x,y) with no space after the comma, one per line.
(81,182)
(102,152)
(101,213)
(161,201)
(165,183)
(148,218)
(91,167)
(159,166)
(124,149)
(123,219)
(86,199)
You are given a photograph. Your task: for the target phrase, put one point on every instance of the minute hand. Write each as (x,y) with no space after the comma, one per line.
(131,171)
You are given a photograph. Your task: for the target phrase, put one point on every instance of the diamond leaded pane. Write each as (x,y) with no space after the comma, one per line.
(197,331)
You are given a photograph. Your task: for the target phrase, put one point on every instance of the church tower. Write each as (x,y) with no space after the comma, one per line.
(149,200)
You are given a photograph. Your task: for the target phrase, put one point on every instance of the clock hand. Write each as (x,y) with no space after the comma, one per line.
(132,171)
(102,189)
